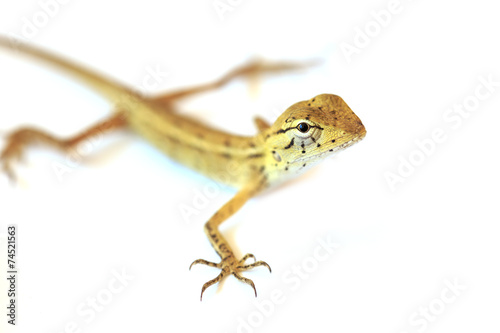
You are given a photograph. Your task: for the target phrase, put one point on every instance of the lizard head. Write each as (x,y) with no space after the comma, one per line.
(309,131)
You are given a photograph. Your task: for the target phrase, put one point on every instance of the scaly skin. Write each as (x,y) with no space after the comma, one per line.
(305,134)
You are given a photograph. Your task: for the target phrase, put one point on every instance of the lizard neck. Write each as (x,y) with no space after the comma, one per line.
(226,158)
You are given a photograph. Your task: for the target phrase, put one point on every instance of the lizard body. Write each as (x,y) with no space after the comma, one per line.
(305,134)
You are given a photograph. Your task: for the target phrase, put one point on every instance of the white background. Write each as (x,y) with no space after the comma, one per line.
(400,248)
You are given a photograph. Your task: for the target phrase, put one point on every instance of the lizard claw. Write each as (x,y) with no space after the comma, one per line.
(230,265)
(255,263)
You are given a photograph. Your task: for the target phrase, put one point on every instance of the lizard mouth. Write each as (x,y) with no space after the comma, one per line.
(344,145)
(355,139)
(347,144)
(332,150)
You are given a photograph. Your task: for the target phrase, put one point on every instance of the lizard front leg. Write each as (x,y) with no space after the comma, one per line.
(246,71)
(228,264)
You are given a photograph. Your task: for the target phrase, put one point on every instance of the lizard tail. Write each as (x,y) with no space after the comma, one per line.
(108,88)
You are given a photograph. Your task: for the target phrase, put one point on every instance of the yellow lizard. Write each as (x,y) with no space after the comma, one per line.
(305,134)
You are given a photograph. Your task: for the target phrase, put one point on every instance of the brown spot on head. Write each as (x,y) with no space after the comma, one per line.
(337,113)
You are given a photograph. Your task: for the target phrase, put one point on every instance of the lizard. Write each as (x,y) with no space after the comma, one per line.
(302,136)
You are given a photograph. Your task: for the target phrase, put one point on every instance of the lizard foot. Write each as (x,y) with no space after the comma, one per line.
(18,141)
(229,265)
(13,152)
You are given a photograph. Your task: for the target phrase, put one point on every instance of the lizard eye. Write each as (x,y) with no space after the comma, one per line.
(303,127)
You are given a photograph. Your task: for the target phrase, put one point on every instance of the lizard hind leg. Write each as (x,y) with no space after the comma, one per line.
(19,140)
